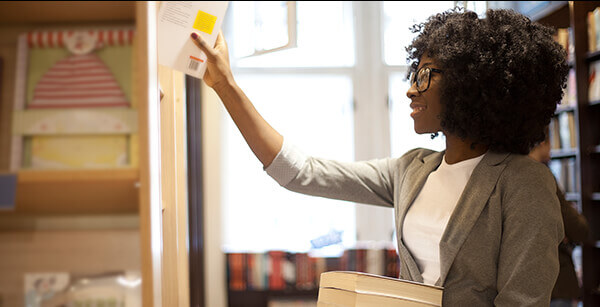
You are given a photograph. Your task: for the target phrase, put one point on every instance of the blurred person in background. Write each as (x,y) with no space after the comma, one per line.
(566,291)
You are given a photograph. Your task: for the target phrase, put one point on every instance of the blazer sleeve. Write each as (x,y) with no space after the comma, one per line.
(368,182)
(532,229)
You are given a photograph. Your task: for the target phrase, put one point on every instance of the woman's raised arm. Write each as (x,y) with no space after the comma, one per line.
(263,140)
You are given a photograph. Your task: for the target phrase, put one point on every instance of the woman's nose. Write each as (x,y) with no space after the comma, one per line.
(412,91)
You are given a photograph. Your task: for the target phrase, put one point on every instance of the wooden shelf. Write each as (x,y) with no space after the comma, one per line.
(592,56)
(106,191)
(260,298)
(562,109)
(43,12)
(572,196)
(553,11)
(563,153)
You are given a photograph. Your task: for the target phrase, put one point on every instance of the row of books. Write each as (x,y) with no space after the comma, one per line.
(563,134)
(566,174)
(281,270)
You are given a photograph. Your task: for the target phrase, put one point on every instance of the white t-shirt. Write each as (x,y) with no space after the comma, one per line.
(428,216)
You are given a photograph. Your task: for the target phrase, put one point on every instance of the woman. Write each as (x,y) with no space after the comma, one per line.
(479,218)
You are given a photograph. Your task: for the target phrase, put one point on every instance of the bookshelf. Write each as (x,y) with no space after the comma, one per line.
(259,298)
(78,204)
(273,277)
(76,192)
(585,154)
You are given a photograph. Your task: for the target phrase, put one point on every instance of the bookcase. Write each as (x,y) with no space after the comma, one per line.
(277,277)
(81,221)
(582,159)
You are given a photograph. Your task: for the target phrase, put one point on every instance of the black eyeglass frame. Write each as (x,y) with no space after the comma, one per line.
(416,73)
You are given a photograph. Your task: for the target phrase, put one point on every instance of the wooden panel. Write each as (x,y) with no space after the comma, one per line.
(557,17)
(28,222)
(587,127)
(145,78)
(76,252)
(8,52)
(175,278)
(21,12)
(77,192)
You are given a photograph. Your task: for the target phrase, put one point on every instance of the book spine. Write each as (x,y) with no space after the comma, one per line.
(276,281)
(237,279)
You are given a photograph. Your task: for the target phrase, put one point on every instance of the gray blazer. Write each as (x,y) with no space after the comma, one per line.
(500,245)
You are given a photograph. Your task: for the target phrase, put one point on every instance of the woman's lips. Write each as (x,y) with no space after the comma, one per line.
(417,108)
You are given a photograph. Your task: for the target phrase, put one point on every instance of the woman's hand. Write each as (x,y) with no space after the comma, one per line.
(218,70)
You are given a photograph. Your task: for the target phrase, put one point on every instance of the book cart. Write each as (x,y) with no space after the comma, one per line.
(578,159)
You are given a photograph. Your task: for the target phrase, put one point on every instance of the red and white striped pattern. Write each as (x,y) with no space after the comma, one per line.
(78,81)
(45,39)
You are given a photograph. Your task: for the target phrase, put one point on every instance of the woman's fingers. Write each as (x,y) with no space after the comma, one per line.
(210,53)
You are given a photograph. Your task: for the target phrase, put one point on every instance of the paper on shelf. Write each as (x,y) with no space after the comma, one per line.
(176,21)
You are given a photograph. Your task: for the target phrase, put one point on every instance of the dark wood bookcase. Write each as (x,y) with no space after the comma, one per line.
(573,14)
(261,298)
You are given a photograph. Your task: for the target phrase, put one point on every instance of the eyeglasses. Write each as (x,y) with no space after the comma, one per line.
(422,78)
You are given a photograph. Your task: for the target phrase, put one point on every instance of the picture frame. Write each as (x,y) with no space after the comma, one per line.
(73,103)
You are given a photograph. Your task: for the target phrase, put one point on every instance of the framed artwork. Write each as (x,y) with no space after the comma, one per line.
(74,105)
(43,287)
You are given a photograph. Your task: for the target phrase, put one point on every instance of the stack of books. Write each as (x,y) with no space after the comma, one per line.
(345,288)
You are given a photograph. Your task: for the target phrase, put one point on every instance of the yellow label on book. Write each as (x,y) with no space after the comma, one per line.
(205,22)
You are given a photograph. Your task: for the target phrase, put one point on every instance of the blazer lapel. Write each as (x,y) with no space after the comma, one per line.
(469,206)
(413,181)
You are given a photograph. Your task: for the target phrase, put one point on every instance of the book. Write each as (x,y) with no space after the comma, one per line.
(377,285)
(596,13)
(563,131)
(176,21)
(257,271)
(375,261)
(275,269)
(392,267)
(591,32)
(593,80)
(237,271)
(343,298)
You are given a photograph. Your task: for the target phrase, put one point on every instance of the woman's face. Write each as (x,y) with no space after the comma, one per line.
(426,104)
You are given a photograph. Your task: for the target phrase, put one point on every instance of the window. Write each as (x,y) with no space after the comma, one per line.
(339,94)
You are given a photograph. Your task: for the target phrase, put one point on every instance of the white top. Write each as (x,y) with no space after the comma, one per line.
(428,216)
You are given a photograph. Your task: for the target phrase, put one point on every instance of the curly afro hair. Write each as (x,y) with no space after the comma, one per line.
(503,75)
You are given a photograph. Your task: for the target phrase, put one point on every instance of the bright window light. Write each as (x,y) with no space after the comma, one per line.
(398,17)
(325,37)
(315,113)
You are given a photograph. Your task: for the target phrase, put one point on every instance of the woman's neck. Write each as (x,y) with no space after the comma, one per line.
(458,149)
